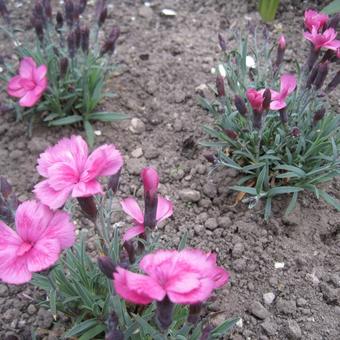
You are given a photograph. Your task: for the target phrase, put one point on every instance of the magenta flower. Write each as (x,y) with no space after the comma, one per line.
(288,85)
(255,99)
(282,42)
(315,19)
(40,236)
(326,39)
(131,207)
(30,84)
(185,277)
(70,171)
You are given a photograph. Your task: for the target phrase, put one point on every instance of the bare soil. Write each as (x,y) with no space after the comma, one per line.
(161,62)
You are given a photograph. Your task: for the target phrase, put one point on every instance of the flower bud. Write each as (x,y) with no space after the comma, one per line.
(222,42)
(210,157)
(4,11)
(312,58)
(280,51)
(77,33)
(194,313)
(231,133)
(130,249)
(220,86)
(39,28)
(82,6)
(113,332)
(102,17)
(312,76)
(114,182)
(295,132)
(59,22)
(267,96)
(283,116)
(38,10)
(69,13)
(206,332)
(109,45)
(318,115)
(85,39)
(257,119)
(72,44)
(164,313)
(334,83)
(5,187)
(88,207)
(321,75)
(334,21)
(106,266)
(330,56)
(63,66)
(150,181)
(240,106)
(48,8)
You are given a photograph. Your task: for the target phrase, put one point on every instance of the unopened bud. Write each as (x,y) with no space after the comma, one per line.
(69,13)
(295,132)
(280,51)
(114,181)
(106,266)
(318,115)
(110,43)
(312,58)
(210,157)
(72,44)
(206,332)
(5,187)
(77,33)
(267,97)
(3,9)
(194,313)
(257,119)
(231,133)
(39,28)
(85,39)
(113,332)
(333,83)
(330,56)
(63,66)
(48,8)
(130,249)
(88,207)
(240,106)
(222,42)
(283,116)
(102,17)
(220,86)
(164,313)
(321,75)
(82,6)
(38,10)
(59,22)
(334,21)
(312,76)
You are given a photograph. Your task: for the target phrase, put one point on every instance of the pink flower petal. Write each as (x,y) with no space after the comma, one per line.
(288,84)
(31,220)
(52,198)
(15,88)
(137,288)
(43,254)
(39,73)
(104,161)
(61,228)
(197,295)
(131,207)
(15,271)
(87,189)
(277,105)
(184,283)
(150,180)
(164,209)
(62,175)
(133,232)
(220,277)
(27,66)
(29,99)
(151,262)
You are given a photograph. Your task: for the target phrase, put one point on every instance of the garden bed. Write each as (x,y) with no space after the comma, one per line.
(162,61)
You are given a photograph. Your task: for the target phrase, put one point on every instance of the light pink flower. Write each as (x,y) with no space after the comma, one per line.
(40,236)
(255,99)
(186,277)
(150,180)
(326,39)
(315,19)
(287,86)
(71,171)
(131,207)
(30,84)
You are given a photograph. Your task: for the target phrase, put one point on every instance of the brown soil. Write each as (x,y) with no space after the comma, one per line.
(162,60)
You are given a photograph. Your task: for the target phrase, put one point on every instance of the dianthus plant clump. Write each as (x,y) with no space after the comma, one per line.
(61,73)
(123,286)
(276,127)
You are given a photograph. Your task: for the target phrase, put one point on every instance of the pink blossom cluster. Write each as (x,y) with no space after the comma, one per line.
(42,231)
(318,32)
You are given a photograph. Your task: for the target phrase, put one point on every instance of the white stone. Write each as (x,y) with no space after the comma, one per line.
(268,298)
(169,12)
(250,62)
(222,71)
(279,265)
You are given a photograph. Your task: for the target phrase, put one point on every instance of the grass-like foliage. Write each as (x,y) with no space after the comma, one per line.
(77,64)
(277,129)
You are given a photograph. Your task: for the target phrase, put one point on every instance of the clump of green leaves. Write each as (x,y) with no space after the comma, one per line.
(77,65)
(268,8)
(280,152)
